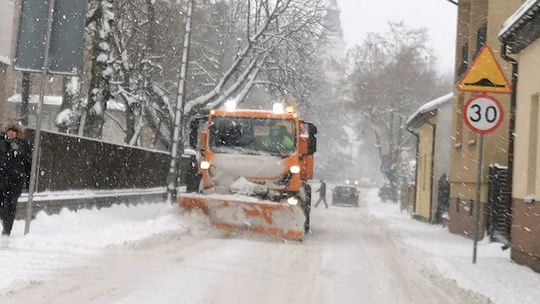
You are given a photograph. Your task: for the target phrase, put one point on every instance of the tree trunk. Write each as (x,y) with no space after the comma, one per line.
(25,98)
(70,101)
(102,71)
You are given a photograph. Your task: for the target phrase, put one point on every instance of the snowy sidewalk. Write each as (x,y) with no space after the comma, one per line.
(494,276)
(66,239)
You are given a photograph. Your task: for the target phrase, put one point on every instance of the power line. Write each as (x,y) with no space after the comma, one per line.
(453,2)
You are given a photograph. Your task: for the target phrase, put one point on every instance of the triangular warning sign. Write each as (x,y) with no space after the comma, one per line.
(485,75)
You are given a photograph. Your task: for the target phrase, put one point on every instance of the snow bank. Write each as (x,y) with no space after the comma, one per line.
(494,276)
(5,60)
(67,238)
(244,187)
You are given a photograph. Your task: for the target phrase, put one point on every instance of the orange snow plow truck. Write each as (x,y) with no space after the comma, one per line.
(254,166)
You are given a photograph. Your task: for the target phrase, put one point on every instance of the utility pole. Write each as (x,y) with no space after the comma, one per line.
(178,143)
(37,131)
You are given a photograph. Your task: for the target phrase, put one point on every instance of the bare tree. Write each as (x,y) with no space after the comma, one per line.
(280,38)
(238,46)
(393,75)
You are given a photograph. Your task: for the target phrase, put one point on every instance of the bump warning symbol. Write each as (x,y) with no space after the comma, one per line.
(485,75)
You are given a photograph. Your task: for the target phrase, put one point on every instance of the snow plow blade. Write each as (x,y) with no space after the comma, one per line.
(233,213)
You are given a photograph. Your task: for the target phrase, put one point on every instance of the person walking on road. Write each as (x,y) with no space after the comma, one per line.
(15,165)
(322,194)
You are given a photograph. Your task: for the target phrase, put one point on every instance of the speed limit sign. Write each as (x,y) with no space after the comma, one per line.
(483,114)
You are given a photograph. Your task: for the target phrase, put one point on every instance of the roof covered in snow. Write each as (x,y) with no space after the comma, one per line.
(429,108)
(47,100)
(529,11)
(57,101)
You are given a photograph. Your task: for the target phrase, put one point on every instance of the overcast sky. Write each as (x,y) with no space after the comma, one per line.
(361,16)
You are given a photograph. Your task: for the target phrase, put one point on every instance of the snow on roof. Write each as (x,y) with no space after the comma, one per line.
(116,105)
(5,60)
(517,19)
(47,100)
(57,101)
(430,106)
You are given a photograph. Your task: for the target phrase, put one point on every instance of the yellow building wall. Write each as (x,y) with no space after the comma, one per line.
(465,148)
(528,91)
(425,171)
(472,15)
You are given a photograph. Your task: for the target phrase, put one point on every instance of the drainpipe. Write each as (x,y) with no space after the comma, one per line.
(416,166)
(434,128)
(512,116)
(453,2)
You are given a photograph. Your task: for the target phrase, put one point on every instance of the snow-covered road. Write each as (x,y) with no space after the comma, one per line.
(351,257)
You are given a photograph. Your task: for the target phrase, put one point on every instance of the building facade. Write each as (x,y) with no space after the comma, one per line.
(479,22)
(521,35)
(8,19)
(11,85)
(431,124)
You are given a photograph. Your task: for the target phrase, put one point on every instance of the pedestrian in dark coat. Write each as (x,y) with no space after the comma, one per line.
(16,161)
(4,148)
(322,195)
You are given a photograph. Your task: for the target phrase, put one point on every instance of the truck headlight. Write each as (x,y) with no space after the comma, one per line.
(293,201)
(230,105)
(294,169)
(278,108)
(205,165)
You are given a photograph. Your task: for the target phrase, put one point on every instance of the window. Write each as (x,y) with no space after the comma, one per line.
(464,60)
(533,146)
(481,38)
(252,136)
(458,136)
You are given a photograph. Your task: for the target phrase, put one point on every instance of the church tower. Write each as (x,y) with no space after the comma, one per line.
(334,48)
(333,32)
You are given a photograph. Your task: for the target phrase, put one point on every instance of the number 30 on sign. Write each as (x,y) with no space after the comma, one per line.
(483,114)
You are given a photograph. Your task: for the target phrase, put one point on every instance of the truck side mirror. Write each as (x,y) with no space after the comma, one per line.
(308,132)
(195,131)
(312,140)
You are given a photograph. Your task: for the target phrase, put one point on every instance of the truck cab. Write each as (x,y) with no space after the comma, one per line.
(257,163)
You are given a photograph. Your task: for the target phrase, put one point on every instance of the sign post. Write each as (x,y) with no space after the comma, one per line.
(482,114)
(50,41)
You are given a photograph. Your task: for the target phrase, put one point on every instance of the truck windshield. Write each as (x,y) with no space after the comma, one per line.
(252,136)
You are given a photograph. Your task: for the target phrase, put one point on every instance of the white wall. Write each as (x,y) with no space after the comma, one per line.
(443,147)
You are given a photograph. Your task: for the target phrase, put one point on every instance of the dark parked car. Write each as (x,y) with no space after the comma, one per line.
(385,192)
(345,195)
